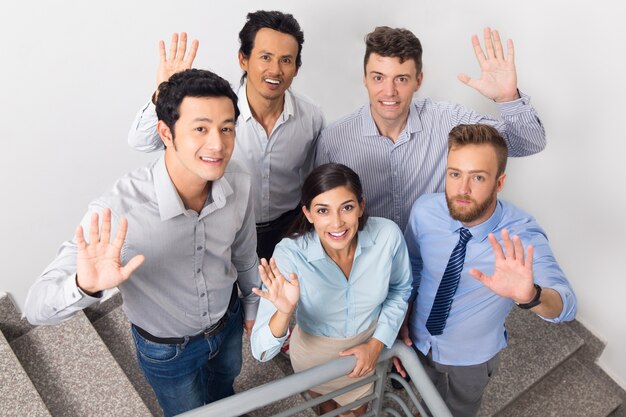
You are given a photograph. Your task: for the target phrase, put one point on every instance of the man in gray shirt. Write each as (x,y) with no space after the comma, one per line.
(186,234)
(278,128)
(398,145)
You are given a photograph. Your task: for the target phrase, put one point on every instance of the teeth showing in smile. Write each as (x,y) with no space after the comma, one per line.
(389,103)
(272,81)
(338,234)
(207,159)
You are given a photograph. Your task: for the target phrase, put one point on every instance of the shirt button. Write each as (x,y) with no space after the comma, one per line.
(198,271)
(204,314)
(202,295)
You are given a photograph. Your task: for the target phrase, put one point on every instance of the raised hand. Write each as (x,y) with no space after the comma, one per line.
(282,293)
(176,62)
(366,357)
(498,78)
(98,264)
(513,272)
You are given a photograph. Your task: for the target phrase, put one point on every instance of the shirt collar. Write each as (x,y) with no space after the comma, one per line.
(413,123)
(315,251)
(168,200)
(244,106)
(481,231)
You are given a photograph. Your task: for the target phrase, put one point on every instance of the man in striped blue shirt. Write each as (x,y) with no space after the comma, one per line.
(398,145)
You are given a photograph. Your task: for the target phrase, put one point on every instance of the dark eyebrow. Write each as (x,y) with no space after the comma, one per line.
(345,202)
(206,119)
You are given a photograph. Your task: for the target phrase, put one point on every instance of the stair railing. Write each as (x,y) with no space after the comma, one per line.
(263,395)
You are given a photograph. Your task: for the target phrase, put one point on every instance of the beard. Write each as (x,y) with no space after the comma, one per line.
(471,213)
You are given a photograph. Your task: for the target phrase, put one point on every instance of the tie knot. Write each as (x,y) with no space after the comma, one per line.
(465,235)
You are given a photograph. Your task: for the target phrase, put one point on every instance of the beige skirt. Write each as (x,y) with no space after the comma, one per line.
(307,351)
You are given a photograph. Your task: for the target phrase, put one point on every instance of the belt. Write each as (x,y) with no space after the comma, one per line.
(211,331)
(286,216)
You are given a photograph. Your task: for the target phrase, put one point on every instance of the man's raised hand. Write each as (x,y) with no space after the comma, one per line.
(513,270)
(498,78)
(176,61)
(98,264)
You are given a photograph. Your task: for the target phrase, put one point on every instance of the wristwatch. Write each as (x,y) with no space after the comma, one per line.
(534,302)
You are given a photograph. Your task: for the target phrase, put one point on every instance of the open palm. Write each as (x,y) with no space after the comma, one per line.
(513,270)
(498,77)
(280,292)
(98,264)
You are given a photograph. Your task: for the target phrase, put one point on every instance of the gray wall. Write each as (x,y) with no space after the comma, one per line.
(74,74)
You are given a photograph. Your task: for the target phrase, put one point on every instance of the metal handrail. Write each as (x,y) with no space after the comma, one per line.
(257,397)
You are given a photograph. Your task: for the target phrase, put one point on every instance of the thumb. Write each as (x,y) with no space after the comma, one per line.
(132,265)
(478,275)
(464,78)
(347,352)
(293,278)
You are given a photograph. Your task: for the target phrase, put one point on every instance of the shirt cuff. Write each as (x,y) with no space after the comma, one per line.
(385,334)
(250,306)
(569,305)
(265,342)
(510,108)
(75,297)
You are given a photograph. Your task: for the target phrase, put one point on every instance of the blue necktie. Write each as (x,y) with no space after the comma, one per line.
(449,283)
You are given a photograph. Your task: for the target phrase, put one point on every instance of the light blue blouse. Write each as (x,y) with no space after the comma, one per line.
(330,305)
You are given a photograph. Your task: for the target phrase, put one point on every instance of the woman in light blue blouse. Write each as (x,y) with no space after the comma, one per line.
(348,286)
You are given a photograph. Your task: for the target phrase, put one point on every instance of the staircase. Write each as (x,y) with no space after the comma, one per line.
(86,367)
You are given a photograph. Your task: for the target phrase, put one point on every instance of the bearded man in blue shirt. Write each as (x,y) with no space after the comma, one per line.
(473,258)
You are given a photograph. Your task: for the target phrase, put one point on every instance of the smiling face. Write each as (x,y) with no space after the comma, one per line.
(203,140)
(390,86)
(335,217)
(271,65)
(472,183)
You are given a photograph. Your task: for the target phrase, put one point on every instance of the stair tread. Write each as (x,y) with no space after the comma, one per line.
(98,310)
(114,329)
(12,325)
(74,371)
(19,396)
(571,390)
(535,348)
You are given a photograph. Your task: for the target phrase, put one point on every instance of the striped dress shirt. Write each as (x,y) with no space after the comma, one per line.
(395,174)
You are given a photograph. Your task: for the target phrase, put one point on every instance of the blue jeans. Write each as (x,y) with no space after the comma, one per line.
(194,373)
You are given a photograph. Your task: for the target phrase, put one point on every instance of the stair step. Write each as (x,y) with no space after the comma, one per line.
(571,390)
(19,396)
(98,310)
(12,325)
(114,329)
(74,372)
(535,348)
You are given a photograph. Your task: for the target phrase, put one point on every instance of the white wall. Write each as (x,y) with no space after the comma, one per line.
(74,73)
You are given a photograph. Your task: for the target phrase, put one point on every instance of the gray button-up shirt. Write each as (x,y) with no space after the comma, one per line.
(191,259)
(279,163)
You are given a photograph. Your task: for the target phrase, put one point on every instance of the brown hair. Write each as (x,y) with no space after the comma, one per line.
(478,134)
(395,43)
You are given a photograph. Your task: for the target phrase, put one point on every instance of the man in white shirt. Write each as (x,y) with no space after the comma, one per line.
(278,129)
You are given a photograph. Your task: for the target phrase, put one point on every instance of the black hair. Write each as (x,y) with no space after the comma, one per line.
(190,83)
(278,21)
